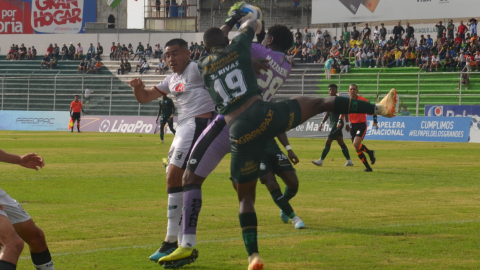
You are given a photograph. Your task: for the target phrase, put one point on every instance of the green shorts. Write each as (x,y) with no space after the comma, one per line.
(274,161)
(334,133)
(251,131)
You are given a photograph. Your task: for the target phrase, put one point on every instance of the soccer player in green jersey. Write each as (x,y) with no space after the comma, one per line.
(230,79)
(166,110)
(336,125)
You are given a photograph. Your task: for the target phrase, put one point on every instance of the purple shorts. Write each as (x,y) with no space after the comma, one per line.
(210,148)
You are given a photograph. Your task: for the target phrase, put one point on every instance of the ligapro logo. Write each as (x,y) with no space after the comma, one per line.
(435,111)
(125,127)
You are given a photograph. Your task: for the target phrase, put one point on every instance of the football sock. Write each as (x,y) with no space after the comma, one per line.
(363,148)
(192,201)
(289,193)
(248,223)
(4,265)
(345,151)
(362,157)
(42,260)
(161,133)
(325,151)
(282,202)
(174,213)
(345,105)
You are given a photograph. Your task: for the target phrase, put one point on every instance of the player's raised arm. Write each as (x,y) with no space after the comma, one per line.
(142,95)
(284,141)
(31,161)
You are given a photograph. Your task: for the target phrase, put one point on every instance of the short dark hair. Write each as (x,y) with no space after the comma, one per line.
(332,85)
(282,37)
(76,96)
(214,37)
(354,85)
(177,41)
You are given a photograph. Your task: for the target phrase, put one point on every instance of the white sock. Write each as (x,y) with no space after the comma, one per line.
(180,234)
(189,240)
(174,215)
(47,266)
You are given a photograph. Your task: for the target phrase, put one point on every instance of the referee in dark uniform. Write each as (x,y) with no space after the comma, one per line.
(166,110)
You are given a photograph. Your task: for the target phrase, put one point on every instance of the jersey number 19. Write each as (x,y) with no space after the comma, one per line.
(231,87)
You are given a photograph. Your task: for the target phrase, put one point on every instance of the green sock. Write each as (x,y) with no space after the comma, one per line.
(356,106)
(345,151)
(325,151)
(282,202)
(248,222)
(289,193)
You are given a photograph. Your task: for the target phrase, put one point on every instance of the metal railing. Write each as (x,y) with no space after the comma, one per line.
(113,97)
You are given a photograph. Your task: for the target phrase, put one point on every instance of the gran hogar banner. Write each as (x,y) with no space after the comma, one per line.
(427,129)
(472,111)
(46,16)
(121,124)
(34,120)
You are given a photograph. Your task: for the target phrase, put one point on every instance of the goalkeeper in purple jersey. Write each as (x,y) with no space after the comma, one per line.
(214,143)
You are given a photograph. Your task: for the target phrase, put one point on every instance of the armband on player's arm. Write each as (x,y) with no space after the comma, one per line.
(375,119)
(340,121)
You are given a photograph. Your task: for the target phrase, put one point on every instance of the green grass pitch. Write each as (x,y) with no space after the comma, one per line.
(101,201)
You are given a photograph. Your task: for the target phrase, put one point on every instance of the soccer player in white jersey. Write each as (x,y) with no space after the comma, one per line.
(16,226)
(195,111)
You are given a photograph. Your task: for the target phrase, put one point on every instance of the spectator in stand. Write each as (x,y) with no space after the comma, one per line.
(382,43)
(410,57)
(167,8)
(90,52)
(409,31)
(87,95)
(458,42)
(328,67)
(53,62)
(113,48)
(305,52)
(383,31)
(465,77)
(398,58)
(127,66)
(412,43)
(462,30)
(122,67)
(344,64)
(450,29)
(34,52)
(16,51)
(353,52)
(342,46)
(124,52)
(376,33)
(140,63)
(418,62)
(473,25)
(90,66)
(297,49)
(435,62)
(429,43)
(156,52)
(50,50)
(355,34)
(149,50)
(145,67)
(346,36)
(140,51)
(334,41)
(98,66)
(328,44)
(449,62)
(130,48)
(11,54)
(477,60)
(404,111)
(469,61)
(361,58)
(160,68)
(424,63)
(313,54)
(82,67)
(325,53)
(370,58)
(298,35)
(79,53)
(308,35)
(440,29)
(366,32)
(390,43)
(56,50)
(368,43)
(98,56)
(45,61)
(326,35)
(319,37)
(28,56)
(22,51)
(379,54)
(398,31)
(64,51)
(118,51)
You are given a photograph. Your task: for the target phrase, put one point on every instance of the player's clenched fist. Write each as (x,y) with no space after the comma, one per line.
(137,83)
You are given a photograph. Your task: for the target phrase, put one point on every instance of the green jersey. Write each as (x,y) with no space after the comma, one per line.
(334,117)
(166,106)
(228,73)
(272,145)
(140,48)
(341,44)
(346,35)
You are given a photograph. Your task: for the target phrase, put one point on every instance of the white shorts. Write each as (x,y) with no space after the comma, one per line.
(185,138)
(13,210)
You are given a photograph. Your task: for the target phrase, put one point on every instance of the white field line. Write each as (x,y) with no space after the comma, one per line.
(302,232)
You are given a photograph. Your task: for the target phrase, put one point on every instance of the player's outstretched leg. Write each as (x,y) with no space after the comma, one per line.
(345,151)
(11,243)
(37,244)
(313,106)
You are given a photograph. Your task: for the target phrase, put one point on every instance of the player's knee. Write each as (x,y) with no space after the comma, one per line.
(15,244)
(269,182)
(37,239)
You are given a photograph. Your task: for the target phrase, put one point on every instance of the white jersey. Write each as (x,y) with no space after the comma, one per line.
(191,96)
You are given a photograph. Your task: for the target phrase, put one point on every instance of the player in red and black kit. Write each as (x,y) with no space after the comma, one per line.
(358,129)
(75,109)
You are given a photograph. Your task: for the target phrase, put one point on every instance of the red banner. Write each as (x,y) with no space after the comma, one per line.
(15,18)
